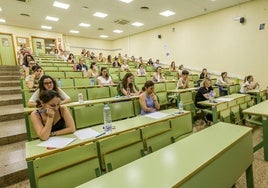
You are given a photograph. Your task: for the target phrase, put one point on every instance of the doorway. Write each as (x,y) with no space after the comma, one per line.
(43,45)
(7,52)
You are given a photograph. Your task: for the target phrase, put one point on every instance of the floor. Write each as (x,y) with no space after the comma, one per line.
(260,167)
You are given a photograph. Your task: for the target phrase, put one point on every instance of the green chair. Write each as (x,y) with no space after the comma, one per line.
(67,82)
(232,89)
(122,110)
(78,74)
(31,135)
(73,93)
(113,70)
(171,85)
(225,115)
(26,95)
(235,114)
(186,97)
(217,91)
(140,80)
(50,69)
(137,107)
(87,116)
(78,165)
(119,150)
(160,87)
(66,69)
(98,93)
(113,91)
(115,77)
(55,75)
(83,82)
(162,98)
(122,74)
(156,136)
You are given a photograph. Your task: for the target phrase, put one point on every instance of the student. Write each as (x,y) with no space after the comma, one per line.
(71,58)
(104,78)
(172,66)
(221,81)
(32,81)
(124,66)
(81,66)
(51,119)
(158,75)
(126,87)
(180,69)
(204,74)
(93,70)
(47,83)
(141,71)
(203,94)
(248,84)
(148,99)
(183,82)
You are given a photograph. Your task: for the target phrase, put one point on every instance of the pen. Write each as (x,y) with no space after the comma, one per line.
(100,135)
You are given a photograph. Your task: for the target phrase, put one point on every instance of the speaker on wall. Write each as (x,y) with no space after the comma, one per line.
(159,36)
(242,20)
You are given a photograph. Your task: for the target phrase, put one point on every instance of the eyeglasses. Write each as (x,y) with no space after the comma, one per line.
(48,83)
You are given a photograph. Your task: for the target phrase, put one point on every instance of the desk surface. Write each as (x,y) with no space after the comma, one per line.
(255,91)
(33,151)
(258,109)
(167,162)
(182,90)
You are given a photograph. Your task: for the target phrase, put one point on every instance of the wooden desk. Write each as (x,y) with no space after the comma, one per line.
(261,109)
(256,93)
(214,160)
(35,154)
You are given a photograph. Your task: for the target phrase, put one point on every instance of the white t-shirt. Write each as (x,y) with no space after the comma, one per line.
(35,95)
(104,81)
(244,88)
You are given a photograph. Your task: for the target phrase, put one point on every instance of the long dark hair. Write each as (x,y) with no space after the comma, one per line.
(41,83)
(147,84)
(107,75)
(124,81)
(47,95)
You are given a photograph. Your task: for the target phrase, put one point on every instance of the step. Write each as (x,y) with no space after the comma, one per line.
(10,99)
(13,165)
(10,90)
(9,68)
(12,131)
(9,73)
(9,77)
(11,112)
(8,83)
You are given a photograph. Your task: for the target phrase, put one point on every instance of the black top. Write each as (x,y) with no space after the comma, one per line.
(79,67)
(57,126)
(200,94)
(202,76)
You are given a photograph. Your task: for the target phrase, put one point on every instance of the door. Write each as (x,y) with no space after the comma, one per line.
(39,46)
(7,53)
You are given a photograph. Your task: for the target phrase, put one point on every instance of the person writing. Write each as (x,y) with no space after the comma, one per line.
(248,84)
(126,87)
(148,99)
(51,119)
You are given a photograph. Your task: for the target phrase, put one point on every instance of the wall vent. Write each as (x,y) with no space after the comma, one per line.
(24,1)
(122,22)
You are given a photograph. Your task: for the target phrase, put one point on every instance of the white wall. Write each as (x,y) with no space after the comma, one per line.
(214,41)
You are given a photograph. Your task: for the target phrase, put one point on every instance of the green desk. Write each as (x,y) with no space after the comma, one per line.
(44,163)
(209,158)
(261,109)
(256,93)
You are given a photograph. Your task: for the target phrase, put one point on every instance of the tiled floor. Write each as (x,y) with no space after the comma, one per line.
(260,167)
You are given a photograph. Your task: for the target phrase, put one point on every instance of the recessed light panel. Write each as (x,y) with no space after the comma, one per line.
(126,1)
(50,18)
(117,31)
(46,27)
(84,25)
(167,13)
(2,20)
(103,36)
(74,31)
(61,5)
(100,14)
(137,24)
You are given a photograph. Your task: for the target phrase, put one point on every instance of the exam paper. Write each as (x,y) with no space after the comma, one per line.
(223,99)
(86,133)
(156,115)
(56,142)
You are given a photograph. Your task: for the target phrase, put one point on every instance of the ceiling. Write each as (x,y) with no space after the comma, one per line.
(83,10)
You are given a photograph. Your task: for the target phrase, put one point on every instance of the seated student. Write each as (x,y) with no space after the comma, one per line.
(204,74)
(32,81)
(93,70)
(248,84)
(71,58)
(203,94)
(183,82)
(148,99)
(172,66)
(221,81)
(158,76)
(47,83)
(51,119)
(104,78)
(81,66)
(126,87)
(26,63)
(141,71)
(180,69)
(124,66)
(116,62)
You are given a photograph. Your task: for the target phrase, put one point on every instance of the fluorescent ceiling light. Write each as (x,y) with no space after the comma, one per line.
(2,20)
(61,5)
(117,31)
(100,14)
(0,9)
(167,13)
(103,36)
(126,1)
(84,25)
(137,24)
(52,18)
(46,27)
(74,31)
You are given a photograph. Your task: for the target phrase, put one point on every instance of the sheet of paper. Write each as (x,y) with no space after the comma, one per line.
(56,142)
(156,115)
(223,99)
(86,133)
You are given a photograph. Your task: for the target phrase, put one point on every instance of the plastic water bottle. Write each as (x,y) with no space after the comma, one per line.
(80,98)
(59,83)
(107,117)
(180,107)
(211,96)
(92,81)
